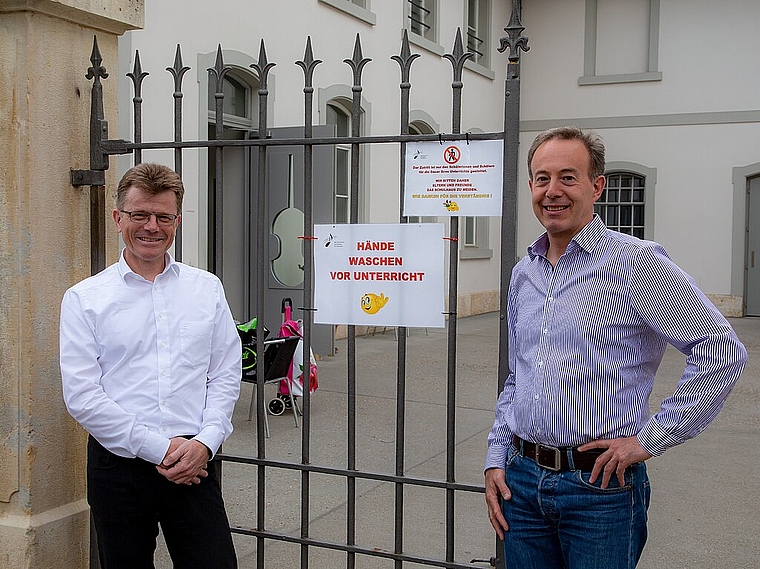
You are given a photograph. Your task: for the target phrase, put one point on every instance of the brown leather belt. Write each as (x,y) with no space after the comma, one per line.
(553,458)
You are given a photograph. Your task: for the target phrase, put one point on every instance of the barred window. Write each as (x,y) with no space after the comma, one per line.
(422,18)
(621,205)
(478,33)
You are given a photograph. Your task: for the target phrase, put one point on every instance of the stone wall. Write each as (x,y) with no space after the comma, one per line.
(45,248)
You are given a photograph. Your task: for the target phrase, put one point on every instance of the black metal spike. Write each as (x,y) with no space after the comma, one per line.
(178,71)
(219,71)
(405,59)
(97,71)
(358,61)
(458,56)
(308,64)
(137,75)
(262,67)
(514,40)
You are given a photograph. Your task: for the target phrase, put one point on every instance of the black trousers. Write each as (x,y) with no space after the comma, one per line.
(129,498)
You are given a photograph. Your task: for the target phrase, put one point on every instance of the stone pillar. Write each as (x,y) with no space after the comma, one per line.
(45,47)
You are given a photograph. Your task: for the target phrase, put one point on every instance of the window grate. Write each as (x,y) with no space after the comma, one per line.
(621,205)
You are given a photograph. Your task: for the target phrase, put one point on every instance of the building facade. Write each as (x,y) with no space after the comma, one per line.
(333,25)
(651,77)
(673,88)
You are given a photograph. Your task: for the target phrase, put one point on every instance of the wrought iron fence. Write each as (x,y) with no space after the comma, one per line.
(102,148)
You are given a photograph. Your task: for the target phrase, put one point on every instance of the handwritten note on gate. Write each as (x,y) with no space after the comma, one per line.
(454,178)
(379,274)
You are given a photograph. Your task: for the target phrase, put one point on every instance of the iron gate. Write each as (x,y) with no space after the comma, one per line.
(102,148)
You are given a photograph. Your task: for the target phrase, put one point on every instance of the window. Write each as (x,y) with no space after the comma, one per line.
(359,9)
(420,127)
(473,238)
(470,232)
(340,119)
(421,18)
(239,106)
(621,205)
(478,30)
(622,42)
(237,103)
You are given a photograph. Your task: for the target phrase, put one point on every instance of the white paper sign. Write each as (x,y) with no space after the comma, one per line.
(379,274)
(454,178)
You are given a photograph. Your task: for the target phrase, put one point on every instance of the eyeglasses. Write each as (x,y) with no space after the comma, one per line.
(144,216)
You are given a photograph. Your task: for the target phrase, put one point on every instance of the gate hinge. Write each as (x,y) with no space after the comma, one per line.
(88,178)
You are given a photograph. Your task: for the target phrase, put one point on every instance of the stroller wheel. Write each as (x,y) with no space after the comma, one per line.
(285,400)
(276,406)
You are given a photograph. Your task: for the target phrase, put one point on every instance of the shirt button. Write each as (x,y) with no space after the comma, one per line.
(539,364)
(163,344)
(536,396)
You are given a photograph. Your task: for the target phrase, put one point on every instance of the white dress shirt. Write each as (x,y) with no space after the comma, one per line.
(143,362)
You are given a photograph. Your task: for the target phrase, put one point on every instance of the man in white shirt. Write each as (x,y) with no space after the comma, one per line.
(151,367)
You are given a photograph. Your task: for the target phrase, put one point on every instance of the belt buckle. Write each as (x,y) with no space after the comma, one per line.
(557,457)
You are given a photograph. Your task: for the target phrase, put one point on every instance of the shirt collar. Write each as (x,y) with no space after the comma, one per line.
(125,269)
(586,238)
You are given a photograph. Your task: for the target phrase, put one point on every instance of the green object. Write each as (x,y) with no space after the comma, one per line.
(248,326)
(249,358)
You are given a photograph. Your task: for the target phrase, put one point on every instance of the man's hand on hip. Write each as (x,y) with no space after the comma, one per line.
(185,461)
(620,454)
(496,489)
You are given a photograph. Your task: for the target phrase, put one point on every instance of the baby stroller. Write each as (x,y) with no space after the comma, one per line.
(292,387)
(278,359)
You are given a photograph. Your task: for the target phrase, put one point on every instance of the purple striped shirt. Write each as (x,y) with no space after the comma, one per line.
(586,338)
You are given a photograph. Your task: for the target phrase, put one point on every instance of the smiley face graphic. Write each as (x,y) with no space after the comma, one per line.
(372,303)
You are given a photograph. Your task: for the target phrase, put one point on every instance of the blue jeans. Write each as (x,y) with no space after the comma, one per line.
(558,520)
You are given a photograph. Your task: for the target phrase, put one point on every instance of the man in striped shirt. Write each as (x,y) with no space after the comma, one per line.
(590,312)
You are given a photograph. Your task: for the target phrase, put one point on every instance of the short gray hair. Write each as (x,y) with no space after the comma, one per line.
(153,179)
(589,138)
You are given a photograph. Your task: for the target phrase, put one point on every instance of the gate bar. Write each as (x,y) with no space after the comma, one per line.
(118,146)
(178,72)
(262,68)
(405,60)
(357,63)
(137,75)
(308,64)
(457,59)
(515,41)
(219,71)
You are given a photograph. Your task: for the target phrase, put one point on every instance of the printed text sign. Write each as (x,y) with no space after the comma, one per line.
(379,274)
(453,178)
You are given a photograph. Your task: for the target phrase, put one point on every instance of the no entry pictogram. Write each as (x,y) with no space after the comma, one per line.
(452,155)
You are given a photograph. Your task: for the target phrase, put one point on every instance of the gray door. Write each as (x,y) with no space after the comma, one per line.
(752,293)
(285,215)
(285,220)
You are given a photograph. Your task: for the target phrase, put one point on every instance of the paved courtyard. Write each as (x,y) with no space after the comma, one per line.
(705,509)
